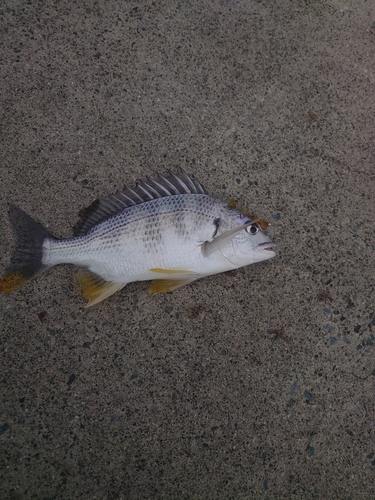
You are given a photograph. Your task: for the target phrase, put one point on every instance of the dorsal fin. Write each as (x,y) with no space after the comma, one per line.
(150,189)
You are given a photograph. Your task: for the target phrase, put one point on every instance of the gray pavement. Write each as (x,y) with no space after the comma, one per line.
(258,383)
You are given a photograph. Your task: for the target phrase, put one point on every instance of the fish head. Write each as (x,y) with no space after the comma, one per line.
(249,245)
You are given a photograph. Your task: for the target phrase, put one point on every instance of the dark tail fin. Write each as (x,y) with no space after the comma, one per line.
(27,263)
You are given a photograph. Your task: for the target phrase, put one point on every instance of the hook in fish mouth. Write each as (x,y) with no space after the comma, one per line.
(268,245)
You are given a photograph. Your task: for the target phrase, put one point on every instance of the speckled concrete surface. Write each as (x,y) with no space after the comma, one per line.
(253,384)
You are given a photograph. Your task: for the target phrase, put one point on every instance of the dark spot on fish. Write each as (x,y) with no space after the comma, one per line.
(217,225)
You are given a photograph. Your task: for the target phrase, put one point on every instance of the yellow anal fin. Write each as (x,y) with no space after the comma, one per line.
(168,285)
(169,271)
(95,289)
(13,281)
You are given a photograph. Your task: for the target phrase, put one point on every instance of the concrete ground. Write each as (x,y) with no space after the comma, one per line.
(258,383)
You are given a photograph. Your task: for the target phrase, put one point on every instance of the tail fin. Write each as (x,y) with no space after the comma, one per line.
(27,263)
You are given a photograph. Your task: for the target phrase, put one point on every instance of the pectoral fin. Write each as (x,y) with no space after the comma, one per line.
(221,241)
(95,289)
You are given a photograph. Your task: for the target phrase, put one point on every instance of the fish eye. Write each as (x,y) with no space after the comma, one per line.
(253,229)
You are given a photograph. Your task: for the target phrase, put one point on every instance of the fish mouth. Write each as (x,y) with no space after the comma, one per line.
(268,245)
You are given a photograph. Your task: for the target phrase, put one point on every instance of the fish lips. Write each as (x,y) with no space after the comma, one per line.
(268,246)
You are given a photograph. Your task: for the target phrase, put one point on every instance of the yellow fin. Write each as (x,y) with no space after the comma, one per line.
(169,271)
(168,285)
(13,281)
(95,289)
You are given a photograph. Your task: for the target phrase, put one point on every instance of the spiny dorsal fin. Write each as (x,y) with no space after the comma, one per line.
(150,189)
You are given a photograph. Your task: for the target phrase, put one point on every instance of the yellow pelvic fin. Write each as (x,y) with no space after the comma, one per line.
(168,285)
(13,281)
(169,271)
(95,289)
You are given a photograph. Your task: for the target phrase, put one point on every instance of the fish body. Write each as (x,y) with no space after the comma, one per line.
(166,230)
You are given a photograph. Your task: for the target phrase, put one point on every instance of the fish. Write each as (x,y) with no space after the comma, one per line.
(167,230)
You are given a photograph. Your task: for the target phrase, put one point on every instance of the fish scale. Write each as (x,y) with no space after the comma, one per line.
(166,230)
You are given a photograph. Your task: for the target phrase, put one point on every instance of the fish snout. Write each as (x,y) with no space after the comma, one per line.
(268,245)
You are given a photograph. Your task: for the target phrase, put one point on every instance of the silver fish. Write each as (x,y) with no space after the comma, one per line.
(166,230)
